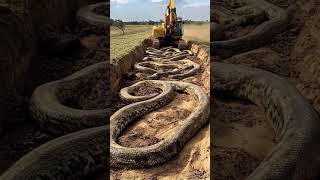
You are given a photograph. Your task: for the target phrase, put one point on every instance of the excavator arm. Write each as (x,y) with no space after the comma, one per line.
(171,4)
(170,18)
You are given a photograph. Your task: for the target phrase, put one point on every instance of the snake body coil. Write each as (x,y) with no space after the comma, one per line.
(277,21)
(46,104)
(168,62)
(80,153)
(296,124)
(166,149)
(74,155)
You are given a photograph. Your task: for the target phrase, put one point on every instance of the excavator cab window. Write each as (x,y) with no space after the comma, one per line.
(178,30)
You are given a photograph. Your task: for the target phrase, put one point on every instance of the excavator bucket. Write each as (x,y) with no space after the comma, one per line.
(171,4)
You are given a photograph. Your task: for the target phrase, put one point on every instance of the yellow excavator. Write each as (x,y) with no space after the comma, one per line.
(171,31)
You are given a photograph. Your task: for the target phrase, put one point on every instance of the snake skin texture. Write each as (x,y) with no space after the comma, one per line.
(47,108)
(172,64)
(161,152)
(79,153)
(168,62)
(277,20)
(296,124)
(73,156)
(83,143)
(96,22)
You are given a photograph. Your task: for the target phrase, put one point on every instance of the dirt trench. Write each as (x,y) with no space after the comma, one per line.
(194,160)
(243,135)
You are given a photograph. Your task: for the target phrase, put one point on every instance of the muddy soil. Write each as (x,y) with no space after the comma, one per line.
(22,134)
(193,162)
(243,135)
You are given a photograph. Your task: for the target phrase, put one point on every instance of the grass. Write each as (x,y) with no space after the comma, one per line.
(135,34)
(199,34)
(122,44)
(130,29)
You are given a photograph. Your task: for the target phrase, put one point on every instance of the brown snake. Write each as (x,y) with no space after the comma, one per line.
(82,151)
(296,155)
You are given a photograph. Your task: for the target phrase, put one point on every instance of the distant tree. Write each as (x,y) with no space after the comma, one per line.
(119,24)
(151,22)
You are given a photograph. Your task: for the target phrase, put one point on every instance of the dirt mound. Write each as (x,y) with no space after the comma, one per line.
(228,167)
(307,54)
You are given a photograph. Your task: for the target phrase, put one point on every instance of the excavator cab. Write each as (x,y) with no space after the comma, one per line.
(178,29)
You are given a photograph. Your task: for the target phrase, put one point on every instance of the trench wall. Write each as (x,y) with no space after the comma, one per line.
(122,65)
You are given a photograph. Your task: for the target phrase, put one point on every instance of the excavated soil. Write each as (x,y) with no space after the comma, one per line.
(157,125)
(193,162)
(145,89)
(242,134)
(242,138)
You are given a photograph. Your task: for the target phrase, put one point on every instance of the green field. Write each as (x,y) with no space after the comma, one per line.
(121,44)
(134,34)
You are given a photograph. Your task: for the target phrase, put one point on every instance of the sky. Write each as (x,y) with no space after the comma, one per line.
(144,10)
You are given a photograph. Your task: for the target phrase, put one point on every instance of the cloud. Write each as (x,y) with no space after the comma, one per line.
(196,4)
(157,1)
(120,1)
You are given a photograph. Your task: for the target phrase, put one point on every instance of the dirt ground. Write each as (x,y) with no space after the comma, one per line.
(242,134)
(193,162)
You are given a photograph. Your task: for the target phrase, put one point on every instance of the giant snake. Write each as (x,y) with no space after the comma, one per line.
(83,151)
(75,155)
(164,150)
(172,64)
(295,122)
(273,21)
(168,62)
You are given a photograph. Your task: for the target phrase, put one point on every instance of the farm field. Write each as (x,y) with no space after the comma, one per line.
(121,44)
(198,33)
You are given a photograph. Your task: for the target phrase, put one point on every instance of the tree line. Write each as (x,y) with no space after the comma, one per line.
(150,22)
(122,25)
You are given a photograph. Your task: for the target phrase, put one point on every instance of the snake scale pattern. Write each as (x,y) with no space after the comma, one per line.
(296,124)
(168,64)
(164,150)
(272,18)
(81,148)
